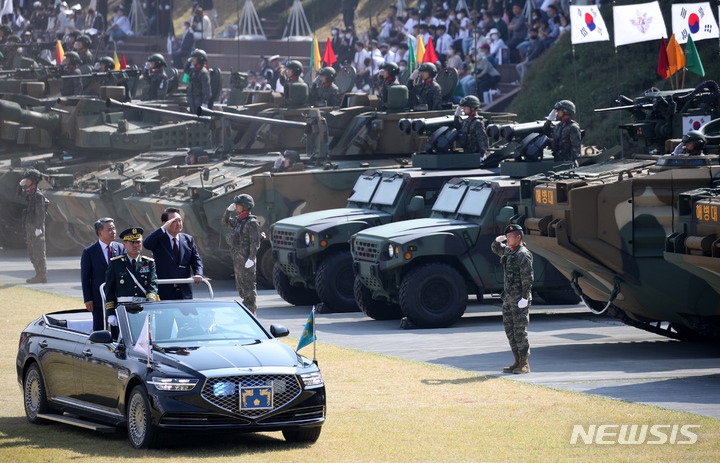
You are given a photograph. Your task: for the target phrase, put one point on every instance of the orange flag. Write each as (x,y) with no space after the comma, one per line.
(420,50)
(60,54)
(676,57)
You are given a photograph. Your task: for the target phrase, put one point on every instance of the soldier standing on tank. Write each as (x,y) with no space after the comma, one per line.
(105,65)
(198,91)
(73,84)
(427,91)
(517,263)
(155,74)
(244,240)
(325,92)
(472,137)
(388,73)
(82,47)
(565,136)
(692,144)
(34,221)
(294,75)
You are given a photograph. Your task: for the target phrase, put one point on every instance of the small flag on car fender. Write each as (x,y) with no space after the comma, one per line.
(308,335)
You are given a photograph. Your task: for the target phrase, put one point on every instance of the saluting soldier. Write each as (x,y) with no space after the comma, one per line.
(427,91)
(389,72)
(472,137)
(34,220)
(130,277)
(325,92)
(155,74)
(566,134)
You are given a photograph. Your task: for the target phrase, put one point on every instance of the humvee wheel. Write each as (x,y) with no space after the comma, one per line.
(292,294)
(433,296)
(377,310)
(334,282)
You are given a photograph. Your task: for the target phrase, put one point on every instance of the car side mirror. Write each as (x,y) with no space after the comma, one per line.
(504,216)
(101,337)
(416,204)
(279,331)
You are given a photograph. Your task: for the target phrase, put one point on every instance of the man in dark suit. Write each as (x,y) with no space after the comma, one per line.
(181,53)
(175,254)
(93,265)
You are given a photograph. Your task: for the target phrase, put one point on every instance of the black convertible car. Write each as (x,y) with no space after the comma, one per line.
(210,366)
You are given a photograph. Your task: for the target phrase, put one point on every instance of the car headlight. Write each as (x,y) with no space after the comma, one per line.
(391,250)
(173,384)
(312,379)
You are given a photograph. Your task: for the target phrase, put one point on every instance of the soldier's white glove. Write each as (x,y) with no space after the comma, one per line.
(459,111)
(501,238)
(205,106)
(231,207)
(522,303)
(38,232)
(23,182)
(112,320)
(249,263)
(414,74)
(553,115)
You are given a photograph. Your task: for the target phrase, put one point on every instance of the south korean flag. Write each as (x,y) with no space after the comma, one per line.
(586,25)
(694,122)
(696,19)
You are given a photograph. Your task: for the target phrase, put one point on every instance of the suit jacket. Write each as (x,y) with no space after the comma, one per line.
(188,43)
(92,274)
(188,265)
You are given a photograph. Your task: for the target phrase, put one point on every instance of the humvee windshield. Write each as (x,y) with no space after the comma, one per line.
(364,188)
(449,198)
(387,191)
(475,201)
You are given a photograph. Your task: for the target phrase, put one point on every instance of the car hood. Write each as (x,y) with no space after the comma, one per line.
(215,355)
(321,220)
(410,229)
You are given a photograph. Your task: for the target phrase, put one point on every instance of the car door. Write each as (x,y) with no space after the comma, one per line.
(57,350)
(102,374)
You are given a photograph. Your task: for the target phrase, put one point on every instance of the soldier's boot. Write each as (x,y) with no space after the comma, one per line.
(513,366)
(523,367)
(39,278)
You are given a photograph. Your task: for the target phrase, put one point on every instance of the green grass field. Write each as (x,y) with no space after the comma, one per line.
(380,409)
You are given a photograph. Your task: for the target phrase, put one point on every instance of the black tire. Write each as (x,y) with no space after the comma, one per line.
(559,296)
(34,395)
(141,431)
(302,435)
(264,275)
(334,282)
(376,310)
(433,296)
(292,294)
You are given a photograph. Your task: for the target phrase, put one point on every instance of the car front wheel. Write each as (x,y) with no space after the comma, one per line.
(142,433)
(334,282)
(34,395)
(302,435)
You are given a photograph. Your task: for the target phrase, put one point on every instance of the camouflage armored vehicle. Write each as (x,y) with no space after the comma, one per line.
(424,269)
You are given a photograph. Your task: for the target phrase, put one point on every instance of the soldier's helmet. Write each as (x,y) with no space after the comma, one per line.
(428,67)
(697,137)
(392,68)
(108,62)
(292,155)
(566,105)
(33,174)
(513,227)
(5,29)
(85,40)
(73,58)
(14,38)
(471,101)
(245,200)
(158,59)
(296,67)
(328,72)
(199,54)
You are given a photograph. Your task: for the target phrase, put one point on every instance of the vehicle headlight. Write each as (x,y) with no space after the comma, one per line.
(309,238)
(173,384)
(312,379)
(391,250)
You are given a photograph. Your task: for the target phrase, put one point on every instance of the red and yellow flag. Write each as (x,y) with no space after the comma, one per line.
(60,54)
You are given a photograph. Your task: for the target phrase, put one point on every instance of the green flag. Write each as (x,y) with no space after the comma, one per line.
(412,61)
(693,63)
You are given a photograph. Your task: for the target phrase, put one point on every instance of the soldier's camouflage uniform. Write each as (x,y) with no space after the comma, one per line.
(565,140)
(34,219)
(244,239)
(428,92)
(325,94)
(157,84)
(518,267)
(472,137)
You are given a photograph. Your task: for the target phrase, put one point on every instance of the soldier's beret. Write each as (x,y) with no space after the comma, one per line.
(512,228)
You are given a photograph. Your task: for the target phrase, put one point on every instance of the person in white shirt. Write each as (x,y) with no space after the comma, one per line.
(411,22)
(362,64)
(120,27)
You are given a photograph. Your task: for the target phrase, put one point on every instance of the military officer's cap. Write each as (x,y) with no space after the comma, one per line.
(132,234)
(513,227)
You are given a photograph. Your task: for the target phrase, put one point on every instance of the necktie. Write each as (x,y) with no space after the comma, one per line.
(176,250)
(109,249)
(133,263)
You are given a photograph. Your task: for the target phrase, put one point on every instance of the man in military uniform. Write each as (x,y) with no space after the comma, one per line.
(105,64)
(325,92)
(388,72)
(472,137)
(692,144)
(427,91)
(294,76)
(73,85)
(198,91)
(129,277)
(244,240)
(155,75)
(288,162)
(82,47)
(34,220)
(565,136)
(517,262)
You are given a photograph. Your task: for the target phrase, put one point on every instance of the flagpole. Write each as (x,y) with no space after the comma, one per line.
(314,337)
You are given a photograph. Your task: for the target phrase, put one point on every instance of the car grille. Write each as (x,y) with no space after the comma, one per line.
(284,239)
(286,388)
(366,250)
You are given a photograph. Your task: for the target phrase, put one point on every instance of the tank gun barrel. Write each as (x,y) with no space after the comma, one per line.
(625,107)
(11,111)
(204,112)
(129,72)
(112,103)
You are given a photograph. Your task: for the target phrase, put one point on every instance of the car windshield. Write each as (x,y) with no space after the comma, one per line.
(475,201)
(387,191)
(364,189)
(194,321)
(449,198)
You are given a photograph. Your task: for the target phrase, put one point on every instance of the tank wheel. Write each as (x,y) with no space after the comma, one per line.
(295,295)
(377,310)
(141,430)
(334,282)
(264,276)
(34,395)
(302,435)
(433,296)
(559,296)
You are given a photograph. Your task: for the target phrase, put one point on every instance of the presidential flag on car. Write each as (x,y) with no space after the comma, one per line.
(638,23)
(693,19)
(144,341)
(308,335)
